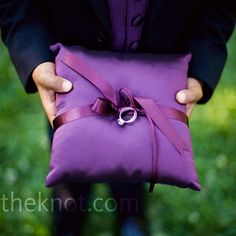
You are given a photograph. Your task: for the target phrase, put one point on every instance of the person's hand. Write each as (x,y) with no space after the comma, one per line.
(191,95)
(47,84)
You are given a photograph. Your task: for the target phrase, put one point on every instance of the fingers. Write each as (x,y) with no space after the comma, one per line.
(49,104)
(189,109)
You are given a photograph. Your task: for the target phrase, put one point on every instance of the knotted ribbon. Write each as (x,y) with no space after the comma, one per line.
(111,104)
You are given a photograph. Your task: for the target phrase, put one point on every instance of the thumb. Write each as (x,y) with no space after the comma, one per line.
(187,96)
(57,84)
(192,94)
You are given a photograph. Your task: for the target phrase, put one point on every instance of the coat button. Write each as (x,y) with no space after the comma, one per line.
(101,37)
(137,21)
(134,46)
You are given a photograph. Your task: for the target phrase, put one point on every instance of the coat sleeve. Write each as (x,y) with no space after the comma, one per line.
(26,38)
(211,30)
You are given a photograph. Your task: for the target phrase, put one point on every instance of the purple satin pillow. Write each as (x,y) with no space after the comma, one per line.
(121,121)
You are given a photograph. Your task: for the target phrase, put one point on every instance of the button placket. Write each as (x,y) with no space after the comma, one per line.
(136,11)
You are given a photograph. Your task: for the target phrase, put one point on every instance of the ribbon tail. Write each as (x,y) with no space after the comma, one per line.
(155,155)
(151,187)
(158,117)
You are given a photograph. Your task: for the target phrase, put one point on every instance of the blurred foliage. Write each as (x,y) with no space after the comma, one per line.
(24,161)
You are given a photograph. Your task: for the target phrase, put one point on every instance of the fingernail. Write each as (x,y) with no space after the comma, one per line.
(182,97)
(67,85)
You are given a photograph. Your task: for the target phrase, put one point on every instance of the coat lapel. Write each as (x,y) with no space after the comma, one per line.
(156,7)
(101,9)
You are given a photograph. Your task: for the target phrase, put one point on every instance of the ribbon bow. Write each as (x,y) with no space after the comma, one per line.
(111,104)
(126,100)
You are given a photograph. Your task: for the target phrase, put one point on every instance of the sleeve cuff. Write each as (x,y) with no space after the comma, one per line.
(28,48)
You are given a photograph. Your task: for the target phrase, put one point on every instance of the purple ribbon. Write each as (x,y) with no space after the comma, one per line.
(111,104)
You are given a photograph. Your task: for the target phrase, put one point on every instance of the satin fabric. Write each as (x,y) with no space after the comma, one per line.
(95,148)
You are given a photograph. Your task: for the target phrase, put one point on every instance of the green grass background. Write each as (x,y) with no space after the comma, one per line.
(24,161)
